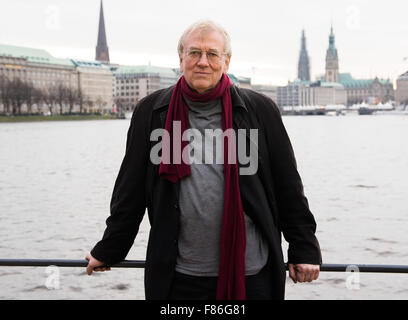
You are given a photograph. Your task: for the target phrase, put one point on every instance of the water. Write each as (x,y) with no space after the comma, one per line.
(56,179)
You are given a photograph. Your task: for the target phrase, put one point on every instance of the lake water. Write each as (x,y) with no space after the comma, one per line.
(56,180)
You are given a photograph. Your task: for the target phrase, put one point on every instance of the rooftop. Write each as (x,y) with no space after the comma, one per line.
(331,84)
(152,70)
(90,64)
(349,82)
(32,55)
(403,76)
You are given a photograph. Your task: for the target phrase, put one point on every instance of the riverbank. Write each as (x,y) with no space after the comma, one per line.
(56,118)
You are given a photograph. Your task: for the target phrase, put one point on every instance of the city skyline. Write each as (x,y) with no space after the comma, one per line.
(366,49)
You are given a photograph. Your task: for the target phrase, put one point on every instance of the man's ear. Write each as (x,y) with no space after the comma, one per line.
(227,62)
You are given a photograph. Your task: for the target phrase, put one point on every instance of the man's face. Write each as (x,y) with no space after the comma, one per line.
(203,73)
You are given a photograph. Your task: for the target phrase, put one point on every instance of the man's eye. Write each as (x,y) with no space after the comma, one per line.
(212,54)
(195,53)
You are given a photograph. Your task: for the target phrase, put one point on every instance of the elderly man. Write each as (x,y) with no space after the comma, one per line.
(215,229)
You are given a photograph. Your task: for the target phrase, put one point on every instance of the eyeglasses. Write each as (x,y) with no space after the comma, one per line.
(213,56)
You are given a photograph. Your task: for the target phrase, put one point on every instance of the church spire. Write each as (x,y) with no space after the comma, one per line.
(304,64)
(102,51)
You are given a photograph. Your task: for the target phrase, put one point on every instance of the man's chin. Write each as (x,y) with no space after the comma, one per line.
(202,86)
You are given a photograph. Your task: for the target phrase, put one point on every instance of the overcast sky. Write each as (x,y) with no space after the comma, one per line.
(371,36)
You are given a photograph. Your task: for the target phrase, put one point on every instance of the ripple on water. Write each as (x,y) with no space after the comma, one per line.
(120,286)
(36,288)
(381,240)
(385,253)
(363,186)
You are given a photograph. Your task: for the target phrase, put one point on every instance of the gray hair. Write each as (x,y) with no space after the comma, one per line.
(205,26)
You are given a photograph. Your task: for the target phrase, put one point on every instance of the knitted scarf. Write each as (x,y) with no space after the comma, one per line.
(231,275)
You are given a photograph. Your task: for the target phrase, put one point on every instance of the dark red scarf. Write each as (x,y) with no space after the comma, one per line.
(231,276)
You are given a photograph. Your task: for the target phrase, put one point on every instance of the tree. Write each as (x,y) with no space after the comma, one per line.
(61,94)
(119,102)
(5,94)
(28,94)
(99,103)
(38,97)
(72,98)
(50,98)
(17,95)
(81,99)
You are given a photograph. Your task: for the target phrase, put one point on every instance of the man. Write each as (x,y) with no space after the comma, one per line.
(215,228)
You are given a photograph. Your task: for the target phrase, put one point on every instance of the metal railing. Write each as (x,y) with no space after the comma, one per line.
(377,268)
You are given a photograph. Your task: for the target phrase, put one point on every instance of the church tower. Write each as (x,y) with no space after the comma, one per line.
(102,51)
(304,65)
(332,60)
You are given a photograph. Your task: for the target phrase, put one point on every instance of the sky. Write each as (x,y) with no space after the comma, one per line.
(371,36)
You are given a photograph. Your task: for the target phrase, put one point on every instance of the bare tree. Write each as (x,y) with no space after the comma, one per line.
(99,102)
(17,95)
(72,98)
(61,93)
(5,94)
(119,102)
(50,98)
(90,103)
(38,97)
(28,94)
(81,99)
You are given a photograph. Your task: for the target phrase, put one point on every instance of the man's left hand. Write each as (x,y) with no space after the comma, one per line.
(303,272)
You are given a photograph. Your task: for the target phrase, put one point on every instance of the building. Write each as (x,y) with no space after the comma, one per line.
(402,89)
(244,82)
(358,90)
(326,93)
(289,95)
(304,63)
(93,80)
(37,67)
(102,50)
(332,60)
(267,90)
(306,93)
(372,91)
(96,82)
(135,82)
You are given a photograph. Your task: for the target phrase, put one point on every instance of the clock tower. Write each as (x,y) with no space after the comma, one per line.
(332,60)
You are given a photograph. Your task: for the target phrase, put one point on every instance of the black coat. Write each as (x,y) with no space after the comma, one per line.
(273,197)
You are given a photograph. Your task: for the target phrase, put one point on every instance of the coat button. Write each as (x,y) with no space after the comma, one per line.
(176,206)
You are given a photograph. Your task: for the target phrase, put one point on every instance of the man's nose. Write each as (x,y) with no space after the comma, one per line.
(203,59)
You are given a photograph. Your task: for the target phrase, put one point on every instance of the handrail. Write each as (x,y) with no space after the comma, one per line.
(377,268)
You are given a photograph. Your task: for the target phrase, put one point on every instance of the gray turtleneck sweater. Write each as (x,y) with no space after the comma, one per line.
(202,200)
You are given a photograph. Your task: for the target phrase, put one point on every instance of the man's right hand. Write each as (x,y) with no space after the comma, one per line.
(93,264)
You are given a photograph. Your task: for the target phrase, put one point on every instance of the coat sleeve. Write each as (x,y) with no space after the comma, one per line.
(296,220)
(128,203)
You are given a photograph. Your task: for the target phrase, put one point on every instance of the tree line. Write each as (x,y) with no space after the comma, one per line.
(57,99)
